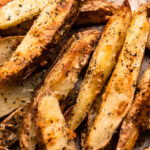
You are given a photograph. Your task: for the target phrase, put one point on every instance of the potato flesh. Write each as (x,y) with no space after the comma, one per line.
(137,116)
(17,11)
(119,93)
(101,64)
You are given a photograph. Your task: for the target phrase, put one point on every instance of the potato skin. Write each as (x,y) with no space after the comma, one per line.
(60,79)
(101,65)
(42,39)
(95,12)
(119,93)
(9,127)
(138,115)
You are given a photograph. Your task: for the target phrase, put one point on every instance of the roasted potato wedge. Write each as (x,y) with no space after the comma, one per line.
(137,116)
(92,12)
(95,12)
(119,92)
(53,130)
(50,123)
(60,80)
(41,41)
(13,12)
(9,127)
(101,64)
(19,93)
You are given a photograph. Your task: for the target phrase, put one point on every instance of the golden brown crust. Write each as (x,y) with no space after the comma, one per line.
(41,40)
(137,116)
(101,65)
(66,69)
(119,93)
(95,12)
(92,12)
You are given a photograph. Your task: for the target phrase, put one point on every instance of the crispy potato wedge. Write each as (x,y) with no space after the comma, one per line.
(60,80)
(41,41)
(137,116)
(95,12)
(101,64)
(9,127)
(19,93)
(92,12)
(53,131)
(51,124)
(13,12)
(119,93)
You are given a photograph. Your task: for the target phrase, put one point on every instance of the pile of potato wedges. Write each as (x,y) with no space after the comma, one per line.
(74,74)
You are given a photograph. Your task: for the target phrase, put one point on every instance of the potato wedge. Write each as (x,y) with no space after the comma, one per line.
(19,93)
(101,64)
(53,130)
(119,93)
(9,127)
(95,12)
(13,12)
(91,13)
(50,123)
(60,80)
(137,116)
(41,41)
